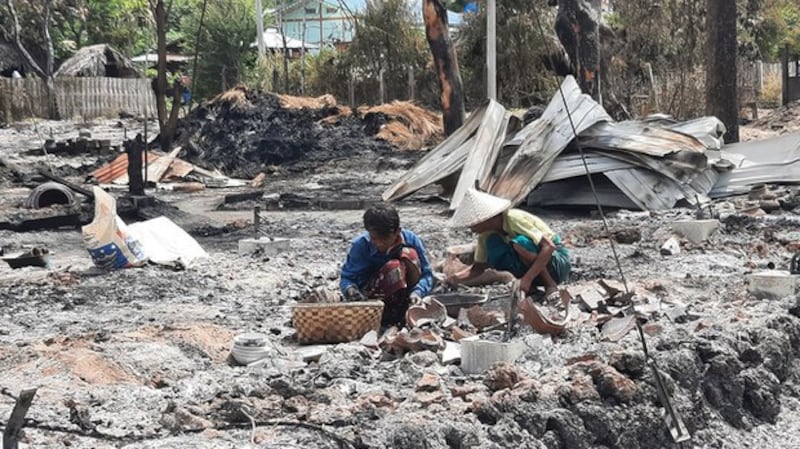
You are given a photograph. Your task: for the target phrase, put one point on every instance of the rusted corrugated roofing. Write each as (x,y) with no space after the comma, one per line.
(116,168)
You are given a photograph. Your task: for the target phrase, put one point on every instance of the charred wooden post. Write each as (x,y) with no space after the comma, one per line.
(578,31)
(135,150)
(444,56)
(721,48)
(17,419)
(446,62)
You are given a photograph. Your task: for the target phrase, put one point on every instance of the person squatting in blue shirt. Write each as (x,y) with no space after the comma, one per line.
(388,263)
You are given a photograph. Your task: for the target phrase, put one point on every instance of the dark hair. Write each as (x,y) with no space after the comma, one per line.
(382,219)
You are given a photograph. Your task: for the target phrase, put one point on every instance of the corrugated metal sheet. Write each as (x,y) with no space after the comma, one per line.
(650,164)
(545,138)
(576,192)
(639,137)
(571,165)
(648,189)
(116,168)
(442,161)
(766,161)
(488,140)
(116,171)
(708,130)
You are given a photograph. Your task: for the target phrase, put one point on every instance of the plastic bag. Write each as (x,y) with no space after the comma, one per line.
(107,238)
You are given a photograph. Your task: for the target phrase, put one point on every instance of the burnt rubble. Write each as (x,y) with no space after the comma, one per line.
(243,133)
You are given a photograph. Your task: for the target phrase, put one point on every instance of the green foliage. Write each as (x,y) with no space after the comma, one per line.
(769,25)
(522,79)
(387,40)
(225,56)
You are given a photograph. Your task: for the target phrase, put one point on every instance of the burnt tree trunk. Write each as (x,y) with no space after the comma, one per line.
(721,47)
(444,57)
(578,31)
(446,62)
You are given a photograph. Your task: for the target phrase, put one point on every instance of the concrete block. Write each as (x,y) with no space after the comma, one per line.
(695,231)
(773,284)
(266,246)
(478,355)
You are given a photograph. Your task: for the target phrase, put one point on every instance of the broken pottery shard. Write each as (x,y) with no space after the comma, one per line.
(451,353)
(428,312)
(482,319)
(430,340)
(458,333)
(612,288)
(671,247)
(534,317)
(370,339)
(590,298)
(616,328)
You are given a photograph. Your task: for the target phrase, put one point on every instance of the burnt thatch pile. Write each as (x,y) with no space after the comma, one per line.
(242,131)
(99,60)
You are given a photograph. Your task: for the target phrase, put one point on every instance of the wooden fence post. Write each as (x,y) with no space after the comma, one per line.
(785,75)
(17,419)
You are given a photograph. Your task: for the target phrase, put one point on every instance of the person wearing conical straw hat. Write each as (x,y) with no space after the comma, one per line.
(511,240)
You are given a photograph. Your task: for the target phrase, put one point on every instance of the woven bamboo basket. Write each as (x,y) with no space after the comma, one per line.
(335,322)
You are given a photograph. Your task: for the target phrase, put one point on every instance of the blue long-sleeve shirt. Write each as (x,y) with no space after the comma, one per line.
(364,260)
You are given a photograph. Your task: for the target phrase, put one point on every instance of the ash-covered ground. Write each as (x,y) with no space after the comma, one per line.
(139,358)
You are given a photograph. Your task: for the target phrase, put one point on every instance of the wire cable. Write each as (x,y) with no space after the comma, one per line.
(583,156)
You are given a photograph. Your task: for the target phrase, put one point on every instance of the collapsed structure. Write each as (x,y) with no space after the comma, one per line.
(648,164)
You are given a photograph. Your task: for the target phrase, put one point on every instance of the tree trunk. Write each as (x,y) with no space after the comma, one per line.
(166,124)
(444,57)
(45,73)
(721,47)
(578,31)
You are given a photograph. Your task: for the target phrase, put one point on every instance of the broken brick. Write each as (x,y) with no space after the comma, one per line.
(428,382)
(612,384)
(466,389)
(427,398)
(501,375)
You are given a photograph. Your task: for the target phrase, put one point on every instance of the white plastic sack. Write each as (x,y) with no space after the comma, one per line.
(108,239)
(165,243)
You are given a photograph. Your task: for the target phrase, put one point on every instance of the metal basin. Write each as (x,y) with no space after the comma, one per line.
(454,302)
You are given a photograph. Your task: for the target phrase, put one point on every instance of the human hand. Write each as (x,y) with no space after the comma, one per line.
(525,284)
(415,299)
(354,294)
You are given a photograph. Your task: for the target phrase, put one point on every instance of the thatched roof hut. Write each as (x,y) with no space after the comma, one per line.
(11,59)
(98,60)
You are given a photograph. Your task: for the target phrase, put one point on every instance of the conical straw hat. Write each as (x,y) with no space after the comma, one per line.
(477,207)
